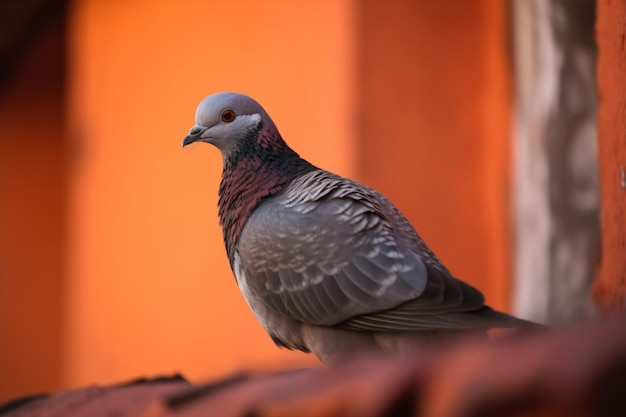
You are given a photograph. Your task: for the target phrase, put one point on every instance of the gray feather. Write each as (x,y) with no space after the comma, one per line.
(371,260)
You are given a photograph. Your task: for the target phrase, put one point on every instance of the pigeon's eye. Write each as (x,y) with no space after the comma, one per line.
(228,116)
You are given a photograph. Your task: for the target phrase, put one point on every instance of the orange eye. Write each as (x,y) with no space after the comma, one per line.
(228,116)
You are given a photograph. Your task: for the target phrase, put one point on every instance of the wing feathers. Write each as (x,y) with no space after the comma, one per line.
(340,254)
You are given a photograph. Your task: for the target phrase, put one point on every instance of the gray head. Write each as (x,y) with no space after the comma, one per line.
(224,119)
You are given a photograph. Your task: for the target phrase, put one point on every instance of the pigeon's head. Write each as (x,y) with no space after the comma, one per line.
(226,120)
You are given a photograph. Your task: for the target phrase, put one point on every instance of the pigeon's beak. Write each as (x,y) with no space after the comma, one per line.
(194,134)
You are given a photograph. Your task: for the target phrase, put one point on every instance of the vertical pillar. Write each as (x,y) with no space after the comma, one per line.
(610,283)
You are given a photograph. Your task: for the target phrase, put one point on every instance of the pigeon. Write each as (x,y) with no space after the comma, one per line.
(327,265)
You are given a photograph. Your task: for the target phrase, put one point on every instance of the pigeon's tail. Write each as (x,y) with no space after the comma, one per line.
(497,319)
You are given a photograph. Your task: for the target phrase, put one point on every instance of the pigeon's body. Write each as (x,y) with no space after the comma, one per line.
(326,264)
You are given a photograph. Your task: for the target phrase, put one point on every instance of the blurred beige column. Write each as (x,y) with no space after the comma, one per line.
(555,158)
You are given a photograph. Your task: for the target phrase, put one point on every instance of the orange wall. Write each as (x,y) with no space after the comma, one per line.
(32,221)
(434,127)
(409,97)
(150,289)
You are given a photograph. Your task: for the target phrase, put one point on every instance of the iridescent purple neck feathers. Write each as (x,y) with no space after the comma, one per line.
(262,166)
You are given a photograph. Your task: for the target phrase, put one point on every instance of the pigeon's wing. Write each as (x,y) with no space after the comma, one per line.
(325,252)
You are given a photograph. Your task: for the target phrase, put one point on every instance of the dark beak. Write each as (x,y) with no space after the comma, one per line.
(194,135)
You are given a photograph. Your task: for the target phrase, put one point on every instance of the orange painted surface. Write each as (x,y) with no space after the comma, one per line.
(435,128)
(32,222)
(150,286)
(412,99)
(609,288)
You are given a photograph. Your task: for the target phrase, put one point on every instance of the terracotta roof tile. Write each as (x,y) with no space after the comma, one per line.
(575,372)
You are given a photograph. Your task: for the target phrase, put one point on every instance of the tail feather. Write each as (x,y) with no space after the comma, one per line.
(396,321)
(488,317)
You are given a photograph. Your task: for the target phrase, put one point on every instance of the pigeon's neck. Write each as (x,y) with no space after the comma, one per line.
(263,168)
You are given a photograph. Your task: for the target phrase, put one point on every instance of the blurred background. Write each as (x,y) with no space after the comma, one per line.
(477,118)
